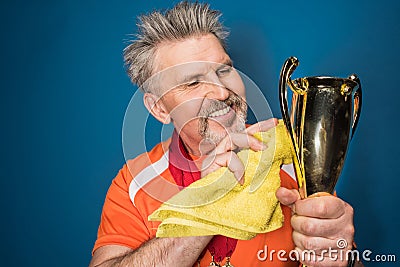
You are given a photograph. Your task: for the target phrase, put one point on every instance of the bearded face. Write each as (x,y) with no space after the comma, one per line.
(198,90)
(229,114)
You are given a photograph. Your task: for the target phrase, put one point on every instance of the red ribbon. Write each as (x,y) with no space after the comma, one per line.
(185,172)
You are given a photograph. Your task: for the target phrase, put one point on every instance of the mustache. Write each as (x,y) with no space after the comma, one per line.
(232,100)
(214,105)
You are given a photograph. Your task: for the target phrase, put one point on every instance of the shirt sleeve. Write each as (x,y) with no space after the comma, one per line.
(121,222)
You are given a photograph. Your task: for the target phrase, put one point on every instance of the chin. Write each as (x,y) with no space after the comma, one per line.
(215,137)
(216,134)
(214,131)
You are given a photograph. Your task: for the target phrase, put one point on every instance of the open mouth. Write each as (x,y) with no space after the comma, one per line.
(220,112)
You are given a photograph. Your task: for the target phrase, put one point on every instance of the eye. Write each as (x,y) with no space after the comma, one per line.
(193,84)
(224,71)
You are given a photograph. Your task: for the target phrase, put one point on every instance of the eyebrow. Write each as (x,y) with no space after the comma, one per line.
(228,62)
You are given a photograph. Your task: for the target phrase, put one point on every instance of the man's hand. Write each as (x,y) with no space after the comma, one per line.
(318,223)
(224,154)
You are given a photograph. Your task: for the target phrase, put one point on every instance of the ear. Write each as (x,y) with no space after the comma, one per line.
(155,106)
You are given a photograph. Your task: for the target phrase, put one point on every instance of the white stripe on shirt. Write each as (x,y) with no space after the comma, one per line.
(147,174)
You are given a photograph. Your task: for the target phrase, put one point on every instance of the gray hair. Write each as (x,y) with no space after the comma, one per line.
(182,21)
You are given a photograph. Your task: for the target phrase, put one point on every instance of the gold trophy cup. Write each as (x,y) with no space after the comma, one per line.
(323,116)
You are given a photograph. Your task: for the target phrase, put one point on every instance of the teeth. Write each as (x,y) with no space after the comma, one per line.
(220,112)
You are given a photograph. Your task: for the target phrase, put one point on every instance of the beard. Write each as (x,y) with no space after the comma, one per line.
(235,124)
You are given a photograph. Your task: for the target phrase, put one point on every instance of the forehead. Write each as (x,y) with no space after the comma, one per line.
(197,48)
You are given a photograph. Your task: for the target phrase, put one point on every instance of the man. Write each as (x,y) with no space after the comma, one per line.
(180,62)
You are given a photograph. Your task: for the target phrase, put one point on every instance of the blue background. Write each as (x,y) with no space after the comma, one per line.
(64,92)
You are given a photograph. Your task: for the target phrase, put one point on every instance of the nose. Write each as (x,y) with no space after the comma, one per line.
(216,89)
(218,92)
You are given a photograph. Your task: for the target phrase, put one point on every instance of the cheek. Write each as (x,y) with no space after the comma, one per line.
(187,124)
(185,111)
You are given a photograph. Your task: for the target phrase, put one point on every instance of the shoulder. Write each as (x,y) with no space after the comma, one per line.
(145,164)
(128,201)
(147,178)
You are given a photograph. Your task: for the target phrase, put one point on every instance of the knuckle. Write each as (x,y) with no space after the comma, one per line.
(350,210)
(309,243)
(350,230)
(322,209)
(293,221)
(295,239)
(252,140)
(229,145)
(307,227)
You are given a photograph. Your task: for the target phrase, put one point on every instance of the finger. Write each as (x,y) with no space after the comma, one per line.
(314,243)
(326,207)
(262,126)
(229,160)
(239,140)
(288,197)
(327,228)
(234,164)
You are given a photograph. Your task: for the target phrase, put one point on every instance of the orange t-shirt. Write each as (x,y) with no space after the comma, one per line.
(145,182)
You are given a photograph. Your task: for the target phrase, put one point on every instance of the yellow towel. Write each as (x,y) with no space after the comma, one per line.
(217,204)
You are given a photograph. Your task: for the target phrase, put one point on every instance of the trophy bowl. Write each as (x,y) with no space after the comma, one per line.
(321,121)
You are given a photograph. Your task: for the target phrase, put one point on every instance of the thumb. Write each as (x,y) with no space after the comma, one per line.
(287,197)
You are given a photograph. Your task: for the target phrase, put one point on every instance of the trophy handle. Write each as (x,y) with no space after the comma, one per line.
(287,69)
(357,102)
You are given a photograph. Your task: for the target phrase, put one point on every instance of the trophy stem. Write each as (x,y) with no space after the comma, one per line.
(303,185)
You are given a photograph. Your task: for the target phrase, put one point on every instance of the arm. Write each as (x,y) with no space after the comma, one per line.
(183,251)
(123,224)
(165,251)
